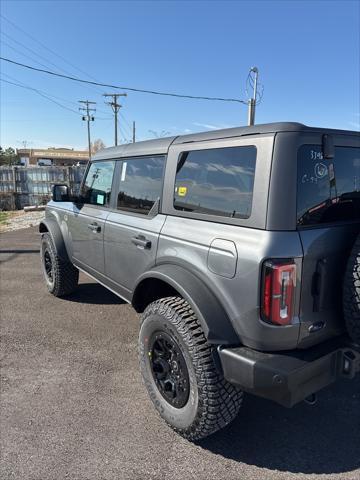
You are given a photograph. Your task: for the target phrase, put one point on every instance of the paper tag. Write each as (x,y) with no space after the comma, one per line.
(100,199)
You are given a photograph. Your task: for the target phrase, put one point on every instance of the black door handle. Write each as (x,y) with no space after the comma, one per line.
(94,227)
(141,241)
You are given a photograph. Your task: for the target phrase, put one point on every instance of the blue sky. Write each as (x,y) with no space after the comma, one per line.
(307,53)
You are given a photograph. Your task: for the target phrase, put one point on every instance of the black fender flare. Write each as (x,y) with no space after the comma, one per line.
(214,320)
(50,225)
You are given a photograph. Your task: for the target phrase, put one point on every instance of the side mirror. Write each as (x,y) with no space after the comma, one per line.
(60,193)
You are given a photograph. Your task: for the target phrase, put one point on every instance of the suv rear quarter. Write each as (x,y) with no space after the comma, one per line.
(228,254)
(233,246)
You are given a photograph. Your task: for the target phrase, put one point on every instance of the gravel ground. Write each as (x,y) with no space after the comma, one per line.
(73,405)
(20,219)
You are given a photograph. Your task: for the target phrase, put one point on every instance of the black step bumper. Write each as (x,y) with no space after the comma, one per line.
(289,377)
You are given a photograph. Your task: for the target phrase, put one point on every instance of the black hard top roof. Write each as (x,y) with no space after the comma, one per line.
(161,145)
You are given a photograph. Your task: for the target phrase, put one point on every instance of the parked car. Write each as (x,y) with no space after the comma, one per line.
(240,249)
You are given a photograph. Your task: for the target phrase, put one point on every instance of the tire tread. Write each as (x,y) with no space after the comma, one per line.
(65,274)
(351,293)
(219,401)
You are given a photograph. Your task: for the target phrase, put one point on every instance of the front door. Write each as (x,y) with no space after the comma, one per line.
(132,229)
(87,221)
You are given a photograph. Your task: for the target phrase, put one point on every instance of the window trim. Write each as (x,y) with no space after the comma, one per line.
(116,184)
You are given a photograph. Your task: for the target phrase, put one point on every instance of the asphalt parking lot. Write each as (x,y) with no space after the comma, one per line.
(73,405)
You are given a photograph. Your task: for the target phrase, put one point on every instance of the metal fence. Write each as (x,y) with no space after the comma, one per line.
(24,186)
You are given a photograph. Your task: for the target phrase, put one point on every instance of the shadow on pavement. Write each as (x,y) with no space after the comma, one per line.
(322,439)
(95,294)
(11,254)
(21,251)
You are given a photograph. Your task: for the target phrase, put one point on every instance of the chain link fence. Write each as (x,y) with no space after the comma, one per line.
(24,186)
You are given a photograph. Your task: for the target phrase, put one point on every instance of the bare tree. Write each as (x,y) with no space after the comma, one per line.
(97,145)
(163,133)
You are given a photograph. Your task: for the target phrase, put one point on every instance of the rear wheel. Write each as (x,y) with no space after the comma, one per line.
(351,295)
(61,277)
(179,371)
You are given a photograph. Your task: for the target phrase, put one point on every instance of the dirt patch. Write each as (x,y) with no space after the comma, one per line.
(10,221)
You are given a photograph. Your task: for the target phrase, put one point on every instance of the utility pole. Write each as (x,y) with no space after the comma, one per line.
(88,118)
(252,101)
(134,132)
(115,108)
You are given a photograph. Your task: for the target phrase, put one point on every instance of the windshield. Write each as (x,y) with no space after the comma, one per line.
(328,191)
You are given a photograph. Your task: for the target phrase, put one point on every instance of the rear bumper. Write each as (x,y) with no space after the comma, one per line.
(289,377)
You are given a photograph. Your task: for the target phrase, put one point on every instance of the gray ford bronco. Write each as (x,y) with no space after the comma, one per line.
(241,250)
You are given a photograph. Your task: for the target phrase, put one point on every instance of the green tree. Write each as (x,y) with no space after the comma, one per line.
(8,156)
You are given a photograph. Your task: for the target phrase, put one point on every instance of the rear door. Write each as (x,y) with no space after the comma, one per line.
(87,221)
(328,221)
(134,223)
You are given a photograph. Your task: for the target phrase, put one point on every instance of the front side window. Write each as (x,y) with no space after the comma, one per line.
(96,188)
(140,184)
(218,181)
(328,191)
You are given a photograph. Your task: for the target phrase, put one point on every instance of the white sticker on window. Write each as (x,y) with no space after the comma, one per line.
(100,199)
(320,170)
(123,171)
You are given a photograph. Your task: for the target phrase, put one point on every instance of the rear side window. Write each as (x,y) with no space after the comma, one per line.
(96,188)
(328,191)
(218,181)
(140,184)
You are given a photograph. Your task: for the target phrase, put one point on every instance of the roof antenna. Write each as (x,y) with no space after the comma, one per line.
(252,101)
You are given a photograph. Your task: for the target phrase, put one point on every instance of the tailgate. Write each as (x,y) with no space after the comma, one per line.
(326,251)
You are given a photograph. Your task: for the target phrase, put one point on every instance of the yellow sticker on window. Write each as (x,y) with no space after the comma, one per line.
(182,191)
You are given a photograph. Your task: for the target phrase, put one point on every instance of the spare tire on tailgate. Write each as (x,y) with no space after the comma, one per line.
(351,294)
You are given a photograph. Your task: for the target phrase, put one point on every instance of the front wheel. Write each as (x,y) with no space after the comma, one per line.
(61,277)
(179,371)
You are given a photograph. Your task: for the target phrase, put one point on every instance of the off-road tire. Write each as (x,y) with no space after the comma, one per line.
(351,294)
(64,276)
(213,402)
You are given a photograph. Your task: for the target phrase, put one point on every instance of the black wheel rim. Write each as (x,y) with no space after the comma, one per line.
(48,265)
(169,369)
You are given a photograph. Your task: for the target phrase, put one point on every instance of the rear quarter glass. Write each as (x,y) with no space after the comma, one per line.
(328,191)
(217,181)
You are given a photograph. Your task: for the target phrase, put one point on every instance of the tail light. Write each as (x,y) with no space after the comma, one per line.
(278,292)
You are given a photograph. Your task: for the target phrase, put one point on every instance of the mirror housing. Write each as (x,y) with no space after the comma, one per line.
(60,193)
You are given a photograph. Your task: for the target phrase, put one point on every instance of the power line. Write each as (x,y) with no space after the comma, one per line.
(57,67)
(42,57)
(152,92)
(41,94)
(127,124)
(46,95)
(31,51)
(23,54)
(44,46)
(38,90)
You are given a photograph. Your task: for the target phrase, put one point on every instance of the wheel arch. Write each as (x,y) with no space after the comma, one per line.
(50,226)
(169,280)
